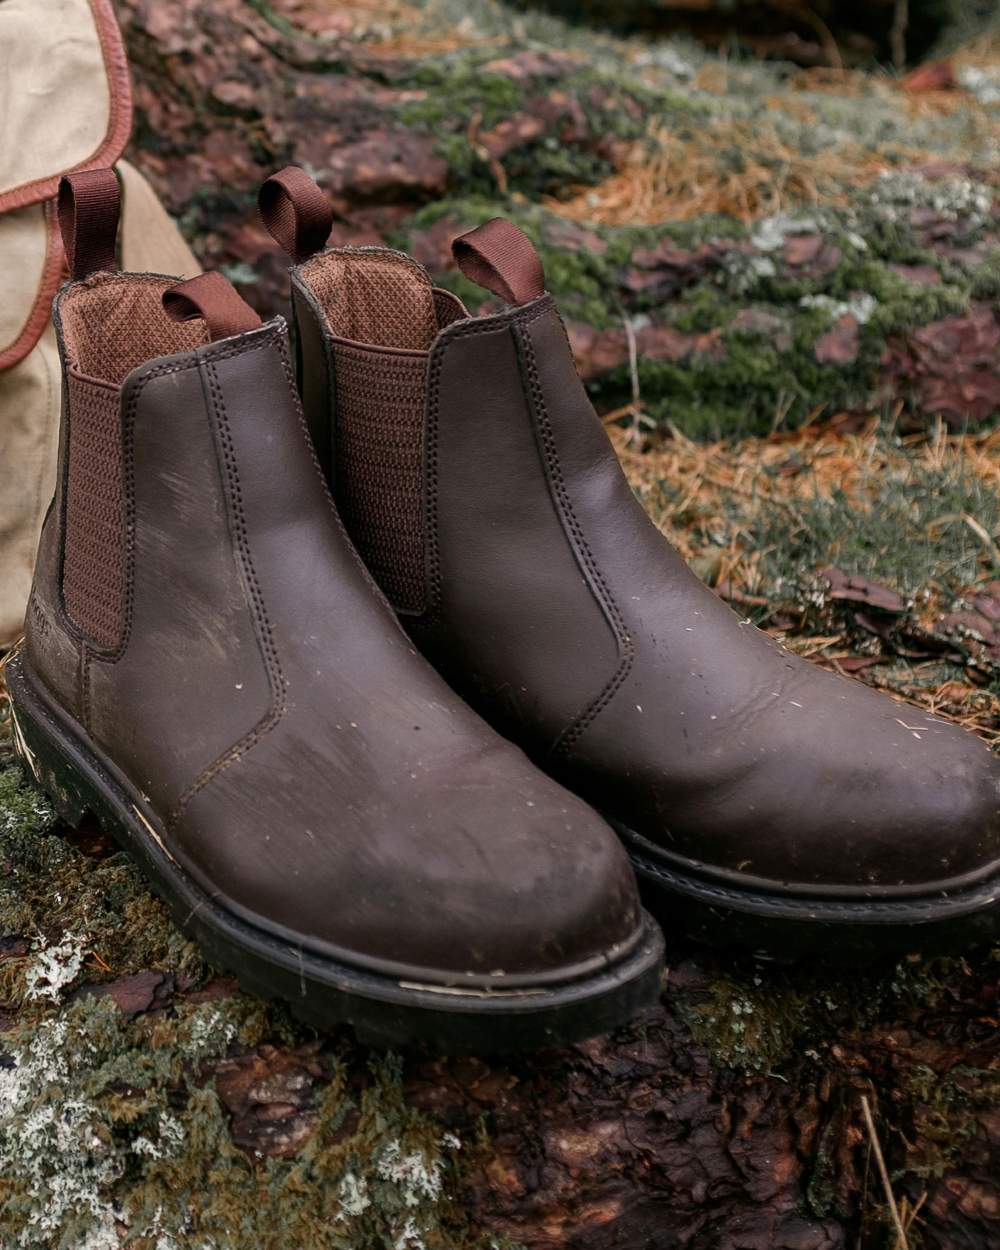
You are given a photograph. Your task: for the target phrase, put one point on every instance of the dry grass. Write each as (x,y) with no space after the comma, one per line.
(787,466)
(389,28)
(740,167)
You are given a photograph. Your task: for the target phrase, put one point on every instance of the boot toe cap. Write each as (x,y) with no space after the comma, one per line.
(497,878)
(892,799)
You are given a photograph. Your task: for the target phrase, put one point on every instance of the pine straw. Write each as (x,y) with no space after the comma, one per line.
(782,467)
(387,28)
(725,484)
(740,167)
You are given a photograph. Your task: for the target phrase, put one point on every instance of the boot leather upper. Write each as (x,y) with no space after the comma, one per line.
(556,607)
(312,771)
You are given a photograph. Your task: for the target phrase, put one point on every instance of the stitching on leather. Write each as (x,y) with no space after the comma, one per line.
(572,733)
(449,336)
(89,653)
(83,685)
(258,608)
(898,909)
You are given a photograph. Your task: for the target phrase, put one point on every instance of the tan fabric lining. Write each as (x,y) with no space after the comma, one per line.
(113,322)
(372,296)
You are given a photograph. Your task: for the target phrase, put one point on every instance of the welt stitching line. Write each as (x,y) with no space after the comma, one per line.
(486,326)
(258,609)
(573,732)
(83,685)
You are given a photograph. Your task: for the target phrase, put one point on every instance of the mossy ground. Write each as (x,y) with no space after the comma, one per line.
(636,142)
(673,145)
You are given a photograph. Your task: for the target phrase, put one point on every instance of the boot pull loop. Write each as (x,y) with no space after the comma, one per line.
(295,212)
(214,300)
(90,205)
(501,258)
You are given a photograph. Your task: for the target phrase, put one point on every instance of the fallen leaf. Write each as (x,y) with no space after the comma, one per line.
(858,589)
(135,994)
(934,76)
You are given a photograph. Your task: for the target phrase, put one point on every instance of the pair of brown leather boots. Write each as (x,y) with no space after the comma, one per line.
(269,699)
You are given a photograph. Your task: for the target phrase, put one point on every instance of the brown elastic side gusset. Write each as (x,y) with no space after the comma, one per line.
(383,304)
(447,307)
(110,323)
(94,564)
(378,459)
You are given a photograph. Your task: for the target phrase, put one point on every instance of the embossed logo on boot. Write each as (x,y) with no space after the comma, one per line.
(39,620)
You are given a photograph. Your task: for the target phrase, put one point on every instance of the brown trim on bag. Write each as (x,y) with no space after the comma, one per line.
(53,274)
(119,114)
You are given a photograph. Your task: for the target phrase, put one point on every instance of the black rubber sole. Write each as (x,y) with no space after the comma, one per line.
(382,1010)
(786,927)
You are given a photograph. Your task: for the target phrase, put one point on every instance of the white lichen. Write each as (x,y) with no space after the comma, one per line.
(63,1150)
(170,1138)
(210,1031)
(861,306)
(354,1199)
(40,812)
(58,1150)
(53,968)
(955,198)
(770,233)
(983,83)
(410,1237)
(414,1175)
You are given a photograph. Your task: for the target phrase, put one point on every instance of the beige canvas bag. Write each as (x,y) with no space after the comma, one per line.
(65,104)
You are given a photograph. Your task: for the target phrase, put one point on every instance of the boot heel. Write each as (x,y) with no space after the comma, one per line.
(48,768)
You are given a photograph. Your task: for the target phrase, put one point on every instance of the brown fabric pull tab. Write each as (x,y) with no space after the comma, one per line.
(90,206)
(216,301)
(501,258)
(296,213)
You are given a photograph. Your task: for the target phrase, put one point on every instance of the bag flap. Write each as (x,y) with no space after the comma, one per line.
(65,94)
(65,104)
(33,269)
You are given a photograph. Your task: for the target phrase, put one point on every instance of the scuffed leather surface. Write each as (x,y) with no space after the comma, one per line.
(706,737)
(377,814)
(190,660)
(314,773)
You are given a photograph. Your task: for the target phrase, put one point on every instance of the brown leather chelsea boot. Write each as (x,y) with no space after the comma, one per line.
(209,669)
(763,801)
